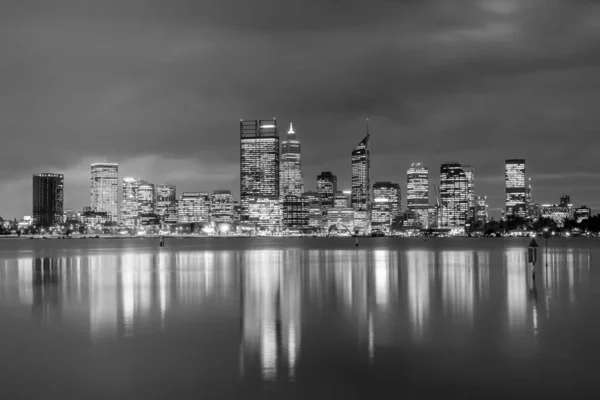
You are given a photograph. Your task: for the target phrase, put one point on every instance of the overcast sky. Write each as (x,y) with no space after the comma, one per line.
(160,87)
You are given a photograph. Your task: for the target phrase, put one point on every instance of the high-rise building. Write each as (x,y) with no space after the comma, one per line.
(417,191)
(129,202)
(193,207)
(166,204)
(326,187)
(221,207)
(470,174)
(48,198)
(453,195)
(259,163)
(291,181)
(341,200)
(516,193)
(266,213)
(146,197)
(481,209)
(104,195)
(295,212)
(565,200)
(386,205)
(315,213)
(361,175)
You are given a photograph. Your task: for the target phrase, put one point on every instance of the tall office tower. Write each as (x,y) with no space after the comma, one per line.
(315,213)
(166,204)
(193,207)
(290,180)
(516,194)
(326,187)
(417,192)
(48,198)
(528,200)
(470,174)
(104,195)
(146,198)
(221,206)
(453,195)
(129,202)
(481,209)
(386,205)
(259,163)
(361,175)
(295,212)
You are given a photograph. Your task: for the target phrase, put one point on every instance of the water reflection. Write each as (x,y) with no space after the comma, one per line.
(285,300)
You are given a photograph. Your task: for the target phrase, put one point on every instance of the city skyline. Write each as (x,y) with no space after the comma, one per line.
(162,101)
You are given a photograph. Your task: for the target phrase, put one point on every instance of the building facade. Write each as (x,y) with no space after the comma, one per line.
(193,207)
(48,198)
(361,175)
(295,213)
(290,179)
(417,191)
(104,196)
(315,212)
(326,187)
(453,195)
(221,207)
(166,203)
(386,205)
(129,202)
(516,193)
(259,164)
(146,198)
(481,210)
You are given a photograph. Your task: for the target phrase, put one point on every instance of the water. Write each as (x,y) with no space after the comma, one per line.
(298,318)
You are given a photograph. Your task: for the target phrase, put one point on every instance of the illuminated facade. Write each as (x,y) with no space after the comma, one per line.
(259,163)
(361,175)
(166,204)
(221,207)
(385,206)
(48,198)
(295,212)
(340,218)
(481,209)
(129,202)
(146,198)
(315,213)
(341,200)
(559,212)
(104,189)
(516,193)
(291,181)
(582,213)
(470,174)
(193,207)
(453,195)
(326,187)
(417,191)
(266,213)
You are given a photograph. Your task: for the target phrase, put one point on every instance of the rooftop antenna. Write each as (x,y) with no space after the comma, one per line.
(368,127)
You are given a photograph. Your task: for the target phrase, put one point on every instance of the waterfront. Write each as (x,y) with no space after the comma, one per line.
(298,318)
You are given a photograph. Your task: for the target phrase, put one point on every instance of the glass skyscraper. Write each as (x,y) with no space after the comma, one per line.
(146,198)
(361,175)
(291,182)
(417,191)
(386,205)
(104,189)
(48,198)
(259,163)
(326,187)
(129,202)
(453,195)
(516,192)
(166,203)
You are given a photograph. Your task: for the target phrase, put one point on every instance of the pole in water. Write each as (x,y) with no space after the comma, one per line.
(162,241)
(356,241)
(532,255)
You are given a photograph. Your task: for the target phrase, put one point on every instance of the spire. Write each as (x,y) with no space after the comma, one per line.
(291,129)
(368,134)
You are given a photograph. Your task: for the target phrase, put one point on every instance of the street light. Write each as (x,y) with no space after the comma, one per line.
(546,234)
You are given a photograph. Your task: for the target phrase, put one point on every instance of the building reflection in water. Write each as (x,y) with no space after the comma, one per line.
(419,276)
(517,279)
(458,284)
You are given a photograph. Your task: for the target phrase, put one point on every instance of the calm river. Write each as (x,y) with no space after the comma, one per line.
(298,318)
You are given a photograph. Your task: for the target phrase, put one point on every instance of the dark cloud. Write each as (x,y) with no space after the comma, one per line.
(160,86)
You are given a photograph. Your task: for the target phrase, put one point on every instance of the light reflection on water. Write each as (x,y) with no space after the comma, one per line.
(285,299)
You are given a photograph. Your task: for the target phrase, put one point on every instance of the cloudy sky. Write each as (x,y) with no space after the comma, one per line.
(160,87)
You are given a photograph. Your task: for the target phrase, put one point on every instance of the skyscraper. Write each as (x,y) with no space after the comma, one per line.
(221,206)
(516,193)
(453,195)
(129,202)
(291,182)
(361,175)
(48,198)
(166,203)
(259,163)
(326,187)
(417,191)
(104,189)
(386,205)
(470,174)
(146,197)
(193,207)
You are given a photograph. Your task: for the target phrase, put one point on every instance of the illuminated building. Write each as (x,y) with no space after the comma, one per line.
(340,218)
(94,218)
(582,213)
(104,195)
(361,175)
(341,200)
(315,213)
(453,195)
(48,198)
(259,163)
(386,205)
(326,187)
(565,200)
(193,207)
(417,191)
(291,182)
(470,174)
(481,209)
(516,194)
(129,202)
(266,213)
(166,204)
(559,212)
(146,198)
(221,207)
(295,212)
